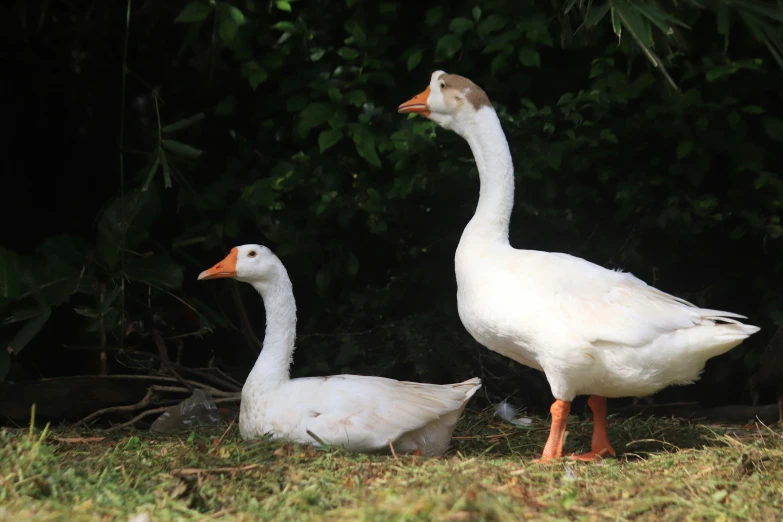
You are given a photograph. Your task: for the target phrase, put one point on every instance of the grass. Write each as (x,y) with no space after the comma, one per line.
(670,470)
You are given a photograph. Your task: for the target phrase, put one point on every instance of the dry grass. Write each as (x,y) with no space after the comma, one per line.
(670,470)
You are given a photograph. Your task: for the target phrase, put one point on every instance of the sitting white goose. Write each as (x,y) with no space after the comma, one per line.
(590,330)
(363,414)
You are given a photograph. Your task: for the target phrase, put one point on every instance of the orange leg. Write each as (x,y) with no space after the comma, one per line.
(600,445)
(554,444)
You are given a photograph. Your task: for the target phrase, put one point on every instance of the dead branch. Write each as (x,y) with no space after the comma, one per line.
(223,380)
(164,357)
(104,357)
(131,407)
(161,410)
(197,471)
(220,440)
(247,328)
(161,378)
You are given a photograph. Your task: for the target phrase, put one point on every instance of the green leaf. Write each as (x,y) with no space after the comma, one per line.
(151,173)
(166,170)
(349,53)
(254,72)
(283,5)
(448,44)
(774,128)
(285,26)
(180,149)
(314,115)
(52,282)
(5,363)
(414,59)
(86,311)
(460,25)
(194,12)
(155,270)
(753,109)
(595,14)
(22,314)
(724,23)
(609,136)
(329,138)
(9,274)
(355,29)
(230,20)
(499,63)
(69,249)
(365,145)
(118,228)
(257,78)
(227,106)
(529,57)
(433,16)
(357,97)
(683,149)
(351,264)
(491,24)
(633,21)
(109,299)
(28,331)
(296,103)
(476,13)
(183,124)
(617,26)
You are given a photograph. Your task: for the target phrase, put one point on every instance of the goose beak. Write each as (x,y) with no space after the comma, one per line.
(226,268)
(417,104)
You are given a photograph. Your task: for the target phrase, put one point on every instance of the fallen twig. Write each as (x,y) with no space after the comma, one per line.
(197,471)
(78,440)
(140,416)
(114,409)
(9,487)
(391,446)
(220,440)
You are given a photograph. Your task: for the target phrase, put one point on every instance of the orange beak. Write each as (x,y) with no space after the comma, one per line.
(226,268)
(417,104)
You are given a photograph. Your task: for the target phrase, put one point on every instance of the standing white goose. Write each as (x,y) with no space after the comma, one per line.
(364,414)
(592,331)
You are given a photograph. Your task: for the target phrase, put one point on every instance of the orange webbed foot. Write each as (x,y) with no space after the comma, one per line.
(594,455)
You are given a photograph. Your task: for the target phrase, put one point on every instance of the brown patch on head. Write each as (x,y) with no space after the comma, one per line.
(471,92)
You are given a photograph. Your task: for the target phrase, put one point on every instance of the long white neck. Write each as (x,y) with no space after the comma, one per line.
(274,363)
(496,172)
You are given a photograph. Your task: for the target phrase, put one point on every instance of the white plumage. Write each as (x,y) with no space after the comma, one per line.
(364,414)
(589,329)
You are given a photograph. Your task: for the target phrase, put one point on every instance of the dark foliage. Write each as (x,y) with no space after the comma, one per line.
(147,138)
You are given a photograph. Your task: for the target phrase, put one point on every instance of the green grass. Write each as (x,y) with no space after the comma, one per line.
(670,470)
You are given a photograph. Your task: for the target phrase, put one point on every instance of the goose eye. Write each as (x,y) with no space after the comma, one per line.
(442,85)
(252,253)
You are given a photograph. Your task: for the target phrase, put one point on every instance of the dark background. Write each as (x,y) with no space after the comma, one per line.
(681,186)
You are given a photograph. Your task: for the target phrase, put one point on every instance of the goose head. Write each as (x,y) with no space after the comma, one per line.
(450,100)
(247,263)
